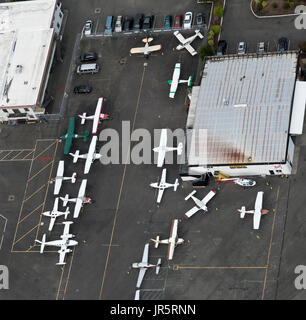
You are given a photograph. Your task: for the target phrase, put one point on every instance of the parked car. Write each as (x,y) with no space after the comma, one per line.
(109,25)
(168,22)
(118,24)
(88,56)
(178,21)
(222,45)
(261,47)
(282,44)
(138,21)
(188,20)
(148,21)
(128,24)
(82,89)
(241,48)
(88,27)
(200,19)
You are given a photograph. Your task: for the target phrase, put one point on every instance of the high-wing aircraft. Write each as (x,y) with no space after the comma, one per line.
(243,182)
(162,148)
(186,42)
(70,135)
(79,201)
(172,242)
(200,204)
(59,177)
(257,212)
(64,243)
(55,213)
(97,117)
(90,156)
(162,185)
(147,49)
(144,265)
(176,80)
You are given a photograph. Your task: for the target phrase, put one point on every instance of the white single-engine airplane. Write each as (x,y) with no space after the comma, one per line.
(147,49)
(172,242)
(144,265)
(90,156)
(55,213)
(258,211)
(162,185)
(185,43)
(79,201)
(59,177)
(200,204)
(176,80)
(162,148)
(243,182)
(97,117)
(64,243)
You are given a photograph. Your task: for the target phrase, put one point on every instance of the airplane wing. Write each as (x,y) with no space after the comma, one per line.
(142,272)
(66,229)
(68,143)
(82,188)
(137,50)
(173,231)
(55,206)
(162,143)
(163,177)
(163,138)
(61,257)
(258,207)
(173,89)
(70,133)
(145,255)
(175,79)
(96,118)
(59,173)
(209,196)
(77,208)
(154,48)
(190,49)
(161,158)
(90,154)
(179,36)
(160,195)
(191,212)
(52,220)
(171,247)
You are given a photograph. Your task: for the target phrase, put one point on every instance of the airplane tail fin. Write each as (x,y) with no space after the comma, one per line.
(147,40)
(42,243)
(242,212)
(180,148)
(86,136)
(73,177)
(75,156)
(60,263)
(199,34)
(156,241)
(189,81)
(190,194)
(67,211)
(83,117)
(65,200)
(158,266)
(176,184)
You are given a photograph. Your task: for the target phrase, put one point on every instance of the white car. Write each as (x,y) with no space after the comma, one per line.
(241,48)
(187,20)
(118,25)
(88,27)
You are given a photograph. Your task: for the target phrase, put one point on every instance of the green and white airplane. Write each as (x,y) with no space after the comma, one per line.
(70,135)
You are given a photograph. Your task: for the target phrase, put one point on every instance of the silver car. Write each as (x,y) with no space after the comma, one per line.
(241,48)
(88,27)
(118,25)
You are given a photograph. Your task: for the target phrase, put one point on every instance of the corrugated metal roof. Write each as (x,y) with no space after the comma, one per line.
(244,103)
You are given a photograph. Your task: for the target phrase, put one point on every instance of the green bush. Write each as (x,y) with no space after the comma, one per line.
(264,4)
(205,51)
(218,11)
(211,42)
(215,29)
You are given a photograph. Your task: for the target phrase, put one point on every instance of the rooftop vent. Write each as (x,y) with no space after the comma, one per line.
(18,68)
(240,105)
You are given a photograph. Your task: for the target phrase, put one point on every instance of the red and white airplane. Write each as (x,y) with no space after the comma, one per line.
(59,177)
(257,212)
(200,204)
(186,43)
(172,242)
(97,117)
(243,182)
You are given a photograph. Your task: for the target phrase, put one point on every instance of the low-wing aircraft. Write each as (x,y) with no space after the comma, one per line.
(162,148)
(144,265)
(162,185)
(176,80)
(55,213)
(70,135)
(79,201)
(186,42)
(243,182)
(200,204)
(147,49)
(64,243)
(257,212)
(90,156)
(97,117)
(60,177)
(172,242)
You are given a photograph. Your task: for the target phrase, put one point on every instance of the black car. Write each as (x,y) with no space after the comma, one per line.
(82,89)
(138,21)
(88,56)
(222,45)
(200,19)
(128,24)
(148,21)
(282,44)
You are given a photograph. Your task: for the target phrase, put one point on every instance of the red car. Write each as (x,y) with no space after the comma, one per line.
(178,21)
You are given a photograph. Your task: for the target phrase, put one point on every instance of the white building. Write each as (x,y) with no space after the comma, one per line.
(246,111)
(27,46)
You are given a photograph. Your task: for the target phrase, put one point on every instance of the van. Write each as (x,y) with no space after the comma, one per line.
(109,25)
(88,68)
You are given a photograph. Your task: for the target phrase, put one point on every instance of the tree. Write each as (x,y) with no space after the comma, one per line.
(218,11)
(215,29)
(205,51)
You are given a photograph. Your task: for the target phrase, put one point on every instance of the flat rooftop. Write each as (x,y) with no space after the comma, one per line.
(244,104)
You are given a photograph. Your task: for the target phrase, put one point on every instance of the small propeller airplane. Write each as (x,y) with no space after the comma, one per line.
(144,265)
(64,243)
(70,135)
(162,185)
(172,242)
(200,204)
(59,177)
(79,201)
(257,212)
(147,49)
(90,156)
(97,117)
(176,80)
(243,182)
(55,213)
(186,43)
(162,148)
